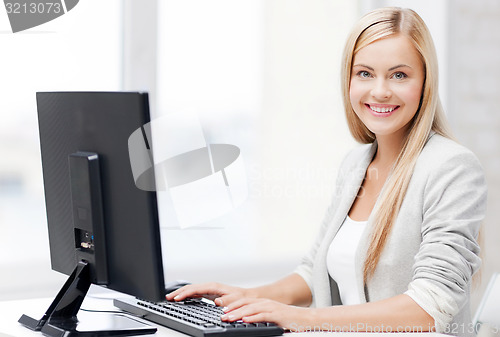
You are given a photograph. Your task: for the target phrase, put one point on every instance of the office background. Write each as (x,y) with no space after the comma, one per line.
(259,74)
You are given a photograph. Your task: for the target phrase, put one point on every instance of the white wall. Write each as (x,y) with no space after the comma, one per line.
(474,78)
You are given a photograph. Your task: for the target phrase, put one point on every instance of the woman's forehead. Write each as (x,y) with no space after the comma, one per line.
(388,52)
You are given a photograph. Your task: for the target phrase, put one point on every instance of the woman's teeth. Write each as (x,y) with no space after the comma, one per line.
(382,109)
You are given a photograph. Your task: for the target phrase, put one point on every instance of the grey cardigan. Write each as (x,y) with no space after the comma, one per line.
(431,253)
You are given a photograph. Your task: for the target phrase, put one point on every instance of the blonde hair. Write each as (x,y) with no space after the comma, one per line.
(378,24)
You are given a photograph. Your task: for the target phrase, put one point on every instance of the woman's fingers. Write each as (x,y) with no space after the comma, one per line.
(209,290)
(228,299)
(246,308)
(252,310)
(221,294)
(240,302)
(239,306)
(256,318)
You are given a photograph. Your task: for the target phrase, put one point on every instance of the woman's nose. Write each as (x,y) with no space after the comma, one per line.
(381,90)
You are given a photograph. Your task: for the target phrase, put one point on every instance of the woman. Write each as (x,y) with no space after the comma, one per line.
(398,246)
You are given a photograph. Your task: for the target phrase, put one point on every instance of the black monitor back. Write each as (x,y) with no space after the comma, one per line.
(101,122)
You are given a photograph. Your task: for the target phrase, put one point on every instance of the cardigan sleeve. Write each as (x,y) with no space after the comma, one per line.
(453,209)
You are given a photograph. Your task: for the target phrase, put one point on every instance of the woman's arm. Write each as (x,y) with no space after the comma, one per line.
(398,313)
(289,290)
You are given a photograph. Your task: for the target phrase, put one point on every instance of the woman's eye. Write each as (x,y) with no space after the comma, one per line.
(364,74)
(399,75)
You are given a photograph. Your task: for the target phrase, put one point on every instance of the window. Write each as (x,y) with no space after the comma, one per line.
(264,76)
(80,50)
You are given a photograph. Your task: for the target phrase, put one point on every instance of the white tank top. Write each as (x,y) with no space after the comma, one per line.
(340,259)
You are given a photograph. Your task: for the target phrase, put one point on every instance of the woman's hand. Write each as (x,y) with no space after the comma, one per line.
(222,295)
(253,310)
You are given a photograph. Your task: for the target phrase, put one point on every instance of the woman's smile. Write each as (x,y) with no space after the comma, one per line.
(381,110)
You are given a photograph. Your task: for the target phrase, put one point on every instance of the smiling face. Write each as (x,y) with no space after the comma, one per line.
(387,77)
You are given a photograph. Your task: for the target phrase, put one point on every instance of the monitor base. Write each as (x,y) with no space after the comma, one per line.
(60,319)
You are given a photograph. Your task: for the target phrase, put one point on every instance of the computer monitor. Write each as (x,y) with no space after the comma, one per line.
(102,228)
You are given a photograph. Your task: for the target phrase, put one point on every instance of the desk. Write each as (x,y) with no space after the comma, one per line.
(10,311)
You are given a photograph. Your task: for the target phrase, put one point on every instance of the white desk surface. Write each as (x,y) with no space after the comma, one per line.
(10,311)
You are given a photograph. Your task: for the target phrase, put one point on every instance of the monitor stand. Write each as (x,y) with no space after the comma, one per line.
(60,318)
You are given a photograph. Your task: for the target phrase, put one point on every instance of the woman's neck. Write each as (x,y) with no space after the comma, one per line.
(388,149)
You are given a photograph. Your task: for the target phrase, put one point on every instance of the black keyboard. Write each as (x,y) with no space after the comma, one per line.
(195,317)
